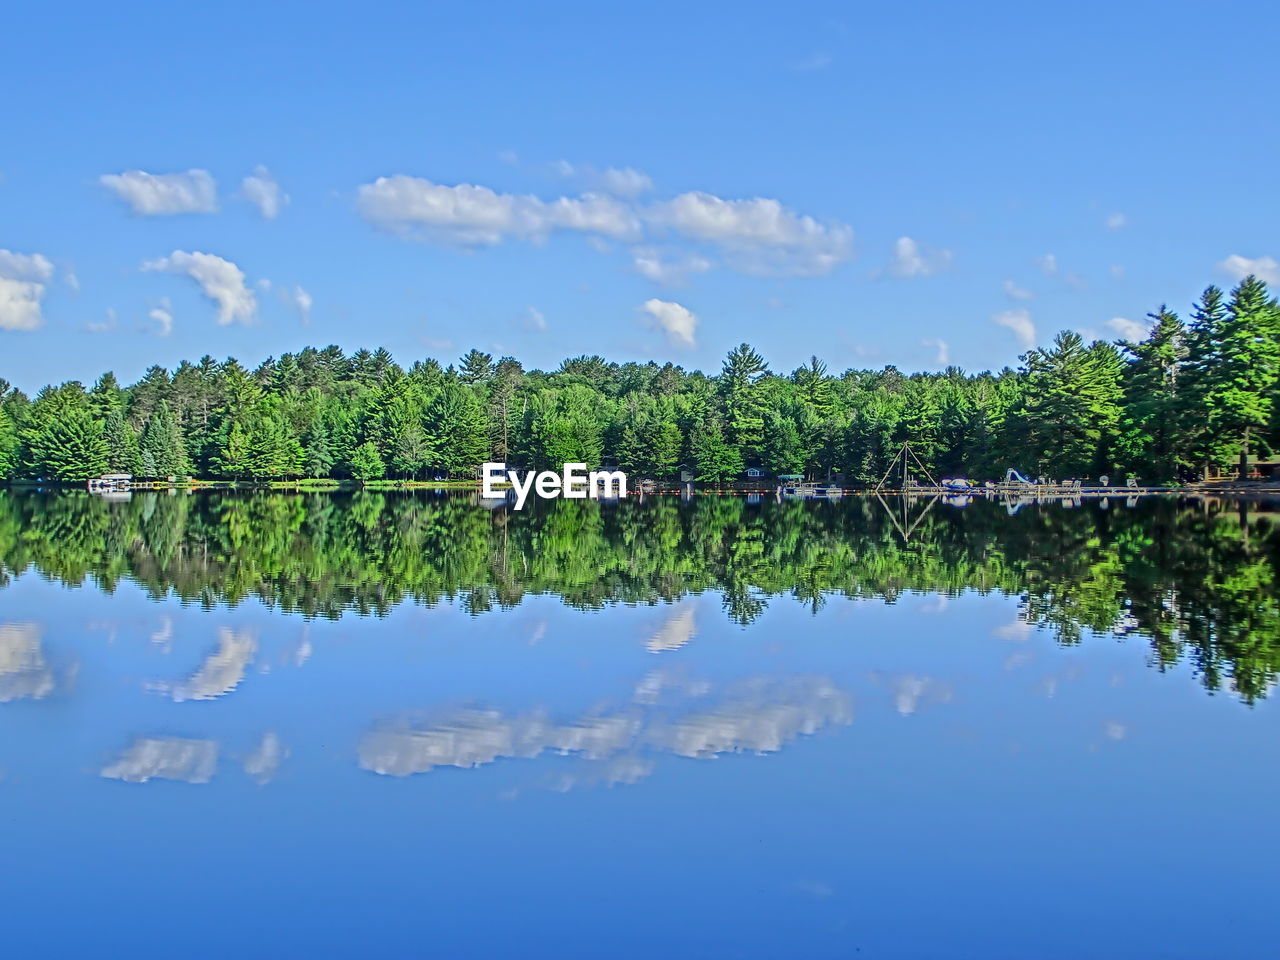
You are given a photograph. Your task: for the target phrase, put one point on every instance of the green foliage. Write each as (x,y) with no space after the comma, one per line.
(8,445)
(1182,401)
(366,463)
(1200,583)
(715,457)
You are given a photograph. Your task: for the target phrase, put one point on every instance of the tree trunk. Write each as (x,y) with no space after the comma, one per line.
(1244,456)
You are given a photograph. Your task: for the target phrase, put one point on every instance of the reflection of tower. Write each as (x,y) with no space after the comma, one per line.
(678,630)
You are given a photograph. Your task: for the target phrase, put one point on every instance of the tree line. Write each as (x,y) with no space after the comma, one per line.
(1198,581)
(1194,396)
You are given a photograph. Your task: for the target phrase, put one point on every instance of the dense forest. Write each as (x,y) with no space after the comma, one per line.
(1194,396)
(1199,581)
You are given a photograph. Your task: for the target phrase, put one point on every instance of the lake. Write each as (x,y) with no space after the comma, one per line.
(410,725)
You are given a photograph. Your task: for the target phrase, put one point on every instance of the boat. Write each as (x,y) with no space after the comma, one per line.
(811,491)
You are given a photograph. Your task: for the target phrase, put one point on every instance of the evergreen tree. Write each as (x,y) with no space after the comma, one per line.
(1070,411)
(8,446)
(366,462)
(123,452)
(63,440)
(715,458)
(162,441)
(1149,430)
(475,367)
(1241,383)
(459,431)
(744,408)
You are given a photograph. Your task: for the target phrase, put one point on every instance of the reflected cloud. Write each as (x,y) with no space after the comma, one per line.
(680,627)
(759,716)
(763,720)
(24,673)
(165,758)
(1015,630)
(263,764)
(910,691)
(221,672)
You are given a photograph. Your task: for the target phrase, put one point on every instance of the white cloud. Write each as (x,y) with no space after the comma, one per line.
(302,302)
(760,235)
(536,320)
(625,182)
(1265,269)
(477,216)
(1019,321)
(756,236)
(220,280)
(1015,292)
(71,280)
(163,315)
(1130,330)
(161,194)
(654,265)
(260,189)
(32,267)
(1048,264)
(23,279)
(104,326)
(943,356)
(1117,271)
(679,323)
(1117,221)
(910,259)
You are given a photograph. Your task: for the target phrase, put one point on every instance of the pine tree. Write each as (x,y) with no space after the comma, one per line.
(744,408)
(1242,380)
(475,367)
(8,446)
(1070,412)
(123,452)
(458,430)
(783,451)
(716,459)
(163,441)
(1203,444)
(1150,436)
(366,462)
(63,440)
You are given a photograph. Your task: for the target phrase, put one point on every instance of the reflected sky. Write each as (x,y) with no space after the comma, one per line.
(927,775)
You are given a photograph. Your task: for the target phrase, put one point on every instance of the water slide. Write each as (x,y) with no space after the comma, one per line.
(1013,476)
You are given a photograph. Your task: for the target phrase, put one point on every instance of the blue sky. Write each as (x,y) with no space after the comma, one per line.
(909,183)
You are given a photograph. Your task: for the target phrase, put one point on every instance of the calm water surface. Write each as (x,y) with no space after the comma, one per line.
(411,726)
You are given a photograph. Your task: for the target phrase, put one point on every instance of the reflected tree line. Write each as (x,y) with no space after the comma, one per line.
(1198,580)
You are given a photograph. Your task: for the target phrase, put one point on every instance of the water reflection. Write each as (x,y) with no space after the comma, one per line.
(165,758)
(1199,580)
(762,715)
(221,672)
(23,670)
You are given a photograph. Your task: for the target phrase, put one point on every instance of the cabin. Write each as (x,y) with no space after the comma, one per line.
(110,483)
(754,473)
